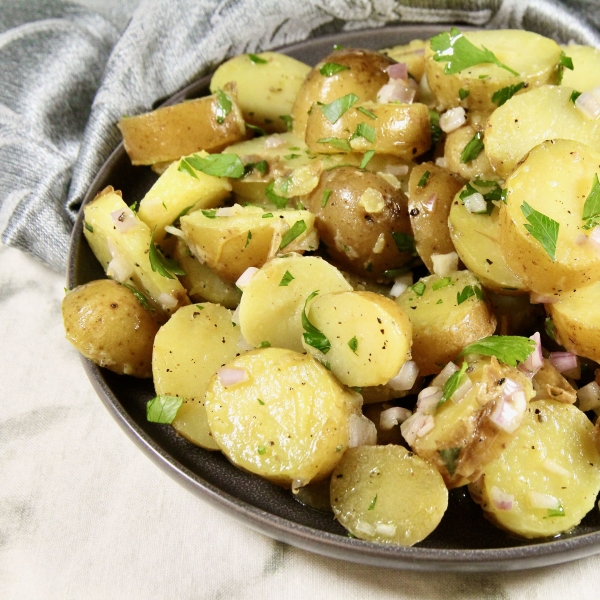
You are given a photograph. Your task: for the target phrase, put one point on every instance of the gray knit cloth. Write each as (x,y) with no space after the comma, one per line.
(67,75)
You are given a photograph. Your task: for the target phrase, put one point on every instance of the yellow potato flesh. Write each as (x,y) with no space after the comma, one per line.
(586,67)
(288,421)
(554,180)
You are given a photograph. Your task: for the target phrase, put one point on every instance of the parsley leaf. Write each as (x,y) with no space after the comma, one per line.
(591,208)
(506,93)
(353,344)
(334,110)
(564,62)
(264,345)
(542,228)
(365,131)
(224,106)
(211,213)
(248,238)
(279,201)
(217,165)
(557,512)
(140,297)
(442,283)
(404,242)
(423,180)
(509,349)
(260,402)
(286,279)
(467,292)
(297,229)
(329,69)
(166,267)
(257,60)
(325,198)
(373,502)
(88,227)
(418,288)
(259,130)
(261,449)
(462,93)
(450,458)
(366,112)
(366,159)
(163,409)
(453,383)
(459,53)
(472,150)
(336,142)
(312,336)
(574,95)
(288,120)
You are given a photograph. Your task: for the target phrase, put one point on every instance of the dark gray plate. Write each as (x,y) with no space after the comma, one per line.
(464,541)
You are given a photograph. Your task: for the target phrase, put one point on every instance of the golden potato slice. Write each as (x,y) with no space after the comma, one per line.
(288,421)
(368,336)
(464,438)
(201,282)
(280,79)
(456,142)
(547,479)
(431,191)
(188,349)
(125,252)
(246,237)
(175,192)
(441,325)
(532,58)
(363,220)
(525,121)
(554,180)
(168,133)
(272,303)
(108,324)
(576,317)
(586,67)
(475,237)
(401,130)
(364,76)
(388,495)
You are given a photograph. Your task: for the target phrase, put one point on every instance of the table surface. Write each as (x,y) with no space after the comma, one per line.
(84,514)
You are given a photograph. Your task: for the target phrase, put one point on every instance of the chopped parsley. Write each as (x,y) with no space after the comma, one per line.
(450,458)
(454,49)
(260,402)
(404,242)
(166,267)
(564,62)
(261,449)
(88,227)
(325,198)
(163,409)
(334,110)
(217,165)
(297,229)
(373,502)
(268,215)
(257,60)
(591,207)
(467,292)
(312,336)
(288,120)
(472,150)
(366,159)
(353,344)
(140,297)
(211,213)
(434,124)
(330,68)
(366,112)
(286,279)
(261,166)
(365,131)
(336,142)
(574,95)
(442,283)
(506,93)
(550,328)
(453,383)
(258,130)
(224,106)
(423,180)
(542,228)
(248,238)
(462,93)
(509,349)
(557,512)
(279,201)
(264,344)
(291,156)
(418,288)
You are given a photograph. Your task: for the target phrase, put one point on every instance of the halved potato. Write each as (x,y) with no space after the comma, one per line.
(456,142)
(586,67)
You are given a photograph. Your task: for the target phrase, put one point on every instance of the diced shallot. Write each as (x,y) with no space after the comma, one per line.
(440,161)
(445,264)
(508,413)
(174,231)
(535,360)
(589,103)
(235,317)
(244,345)
(274,141)
(398,288)
(428,400)
(536,298)
(563,361)
(231,376)
(475,203)
(398,71)
(588,397)
(119,269)
(554,467)
(397,170)
(501,500)
(406,377)
(362,431)
(396,90)
(461,391)
(364,527)
(444,375)
(390,417)
(385,529)
(415,426)
(245,277)
(453,119)
(510,387)
(539,500)
(166,300)
(123,219)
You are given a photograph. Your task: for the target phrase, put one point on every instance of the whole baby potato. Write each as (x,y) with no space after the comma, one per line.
(365,73)
(363,220)
(107,324)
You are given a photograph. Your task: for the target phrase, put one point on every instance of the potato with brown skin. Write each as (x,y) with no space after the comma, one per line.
(107,324)
(456,142)
(431,190)
(357,215)
(364,76)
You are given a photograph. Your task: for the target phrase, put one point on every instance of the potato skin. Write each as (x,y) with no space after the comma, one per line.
(108,325)
(350,231)
(365,76)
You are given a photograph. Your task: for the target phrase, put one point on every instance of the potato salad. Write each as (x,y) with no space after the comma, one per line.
(371,281)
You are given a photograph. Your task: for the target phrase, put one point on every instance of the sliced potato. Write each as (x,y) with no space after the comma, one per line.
(246,237)
(272,303)
(464,438)
(401,130)
(195,342)
(431,191)
(124,253)
(175,192)
(554,180)
(441,326)
(288,421)
(168,133)
(280,79)
(576,317)
(586,67)
(456,142)
(108,325)
(475,237)
(547,479)
(369,336)
(532,57)
(546,113)
(388,495)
